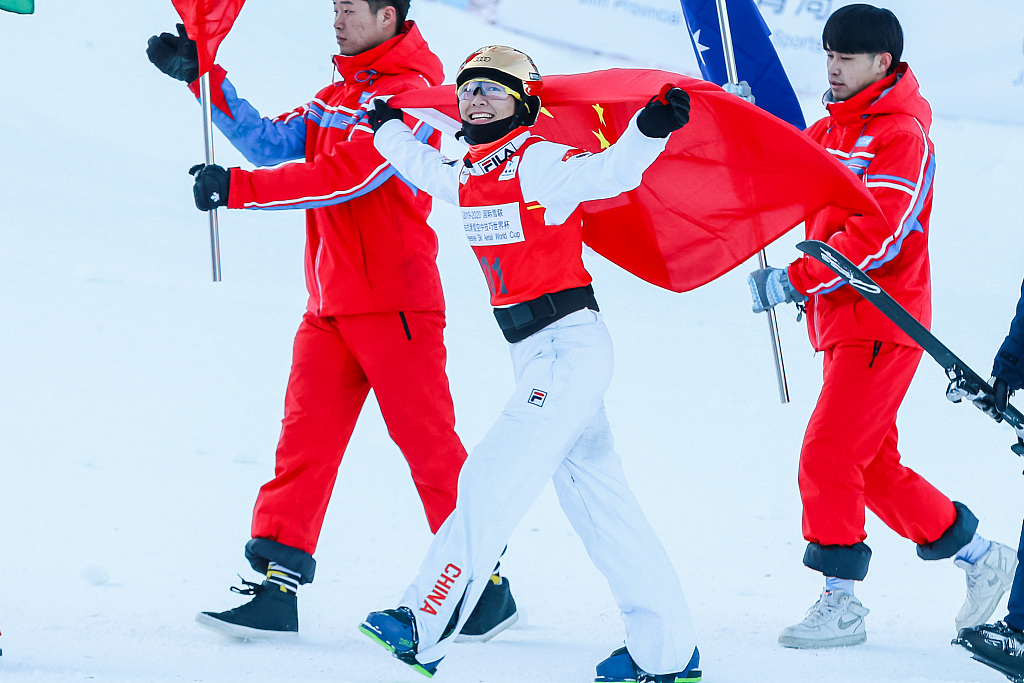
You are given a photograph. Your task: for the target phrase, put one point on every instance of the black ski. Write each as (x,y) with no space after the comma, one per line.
(1014,676)
(963,381)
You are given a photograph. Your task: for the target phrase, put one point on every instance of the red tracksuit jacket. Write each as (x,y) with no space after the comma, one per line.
(881,135)
(368,246)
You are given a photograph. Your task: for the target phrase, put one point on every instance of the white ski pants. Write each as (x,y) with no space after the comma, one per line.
(554,427)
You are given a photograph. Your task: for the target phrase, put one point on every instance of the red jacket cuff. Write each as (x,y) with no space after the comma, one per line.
(217,76)
(240,188)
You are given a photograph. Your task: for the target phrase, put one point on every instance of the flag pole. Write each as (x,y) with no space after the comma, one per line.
(734,80)
(204,91)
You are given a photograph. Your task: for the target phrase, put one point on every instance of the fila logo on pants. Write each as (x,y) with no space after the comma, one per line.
(441,588)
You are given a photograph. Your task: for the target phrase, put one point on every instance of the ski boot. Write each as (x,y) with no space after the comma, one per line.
(395,630)
(619,667)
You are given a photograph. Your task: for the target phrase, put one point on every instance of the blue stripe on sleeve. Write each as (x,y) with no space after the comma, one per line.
(909,183)
(913,223)
(317,203)
(858,166)
(422,135)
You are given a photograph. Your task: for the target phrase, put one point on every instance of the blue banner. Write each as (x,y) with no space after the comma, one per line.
(756,60)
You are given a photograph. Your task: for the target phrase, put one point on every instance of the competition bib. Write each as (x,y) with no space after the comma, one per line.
(498,224)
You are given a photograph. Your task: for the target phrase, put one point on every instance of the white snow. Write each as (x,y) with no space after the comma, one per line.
(140,402)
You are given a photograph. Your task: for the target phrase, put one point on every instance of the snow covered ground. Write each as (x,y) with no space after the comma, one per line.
(140,403)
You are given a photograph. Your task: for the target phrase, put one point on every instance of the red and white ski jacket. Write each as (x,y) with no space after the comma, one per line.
(520,198)
(881,135)
(368,246)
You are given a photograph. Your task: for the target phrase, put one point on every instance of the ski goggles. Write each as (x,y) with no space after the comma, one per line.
(489,90)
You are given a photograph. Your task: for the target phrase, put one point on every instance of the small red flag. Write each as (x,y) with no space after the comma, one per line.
(208,22)
(732,181)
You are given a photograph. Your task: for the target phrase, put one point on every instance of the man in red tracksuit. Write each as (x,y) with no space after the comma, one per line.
(878,127)
(375,316)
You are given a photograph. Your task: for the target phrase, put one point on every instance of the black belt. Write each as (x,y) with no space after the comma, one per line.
(521,320)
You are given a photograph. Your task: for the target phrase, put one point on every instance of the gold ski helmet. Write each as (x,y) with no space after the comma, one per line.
(511,68)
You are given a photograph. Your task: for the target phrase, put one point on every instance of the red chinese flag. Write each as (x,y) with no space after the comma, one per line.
(732,181)
(208,22)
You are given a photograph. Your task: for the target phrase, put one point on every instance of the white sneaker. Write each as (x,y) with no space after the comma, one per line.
(987,580)
(836,620)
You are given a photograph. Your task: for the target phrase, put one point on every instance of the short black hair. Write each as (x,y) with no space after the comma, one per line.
(401,9)
(857,29)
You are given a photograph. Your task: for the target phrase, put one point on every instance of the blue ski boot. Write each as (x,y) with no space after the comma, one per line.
(620,668)
(395,630)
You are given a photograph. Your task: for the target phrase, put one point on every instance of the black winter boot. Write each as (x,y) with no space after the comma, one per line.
(494,613)
(273,611)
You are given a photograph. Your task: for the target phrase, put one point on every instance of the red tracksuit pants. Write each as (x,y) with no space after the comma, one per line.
(849,459)
(335,363)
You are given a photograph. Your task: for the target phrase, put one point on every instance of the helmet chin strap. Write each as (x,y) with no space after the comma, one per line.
(483,133)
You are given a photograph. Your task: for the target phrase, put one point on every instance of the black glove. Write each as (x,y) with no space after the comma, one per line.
(1001,396)
(176,55)
(667,111)
(212,185)
(381,113)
